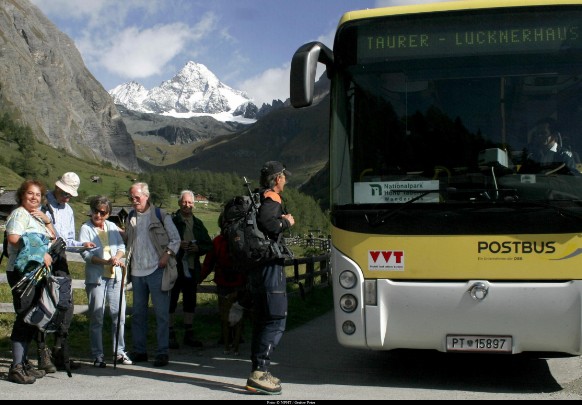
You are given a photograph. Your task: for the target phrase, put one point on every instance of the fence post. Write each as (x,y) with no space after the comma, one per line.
(309,270)
(324,271)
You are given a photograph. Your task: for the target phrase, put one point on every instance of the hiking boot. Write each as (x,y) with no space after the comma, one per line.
(33,372)
(173,343)
(44,360)
(161,360)
(17,374)
(138,357)
(262,382)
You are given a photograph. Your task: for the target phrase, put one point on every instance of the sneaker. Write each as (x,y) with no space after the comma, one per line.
(44,360)
(137,357)
(122,358)
(17,374)
(161,360)
(262,382)
(31,371)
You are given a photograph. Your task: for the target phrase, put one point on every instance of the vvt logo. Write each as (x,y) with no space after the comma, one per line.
(386,260)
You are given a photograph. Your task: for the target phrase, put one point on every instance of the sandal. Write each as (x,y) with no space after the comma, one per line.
(99,363)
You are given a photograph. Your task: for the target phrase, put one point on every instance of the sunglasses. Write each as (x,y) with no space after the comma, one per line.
(67,195)
(135,197)
(102,213)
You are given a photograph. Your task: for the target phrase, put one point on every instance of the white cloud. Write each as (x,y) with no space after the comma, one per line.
(141,53)
(269,85)
(138,53)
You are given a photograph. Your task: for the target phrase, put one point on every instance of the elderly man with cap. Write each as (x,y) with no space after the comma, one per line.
(268,283)
(63,219)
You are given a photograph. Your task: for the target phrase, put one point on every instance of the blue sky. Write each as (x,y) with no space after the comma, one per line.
(247,44)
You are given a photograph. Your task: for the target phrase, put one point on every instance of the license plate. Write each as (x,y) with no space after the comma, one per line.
(488,344)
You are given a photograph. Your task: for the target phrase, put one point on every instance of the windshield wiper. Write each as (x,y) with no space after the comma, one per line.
(562,211)
(380,219)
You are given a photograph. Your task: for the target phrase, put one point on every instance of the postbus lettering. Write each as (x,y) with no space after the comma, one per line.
(520,247)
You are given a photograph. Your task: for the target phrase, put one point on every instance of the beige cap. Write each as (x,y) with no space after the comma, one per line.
(69,183)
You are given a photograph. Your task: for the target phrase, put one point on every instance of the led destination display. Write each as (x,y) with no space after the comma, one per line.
(470,35)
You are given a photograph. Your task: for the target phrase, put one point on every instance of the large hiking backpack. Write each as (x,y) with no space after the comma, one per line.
(48,312)
(248,246)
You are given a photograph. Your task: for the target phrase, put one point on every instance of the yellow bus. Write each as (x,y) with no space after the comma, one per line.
(455,184)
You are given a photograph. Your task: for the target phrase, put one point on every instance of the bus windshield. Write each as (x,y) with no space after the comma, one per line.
(458,110)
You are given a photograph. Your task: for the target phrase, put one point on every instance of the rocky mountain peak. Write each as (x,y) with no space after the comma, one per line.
(193,90)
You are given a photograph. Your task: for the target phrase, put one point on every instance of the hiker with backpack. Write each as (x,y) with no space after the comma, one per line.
(62,217)
(231,283)
(194,243)
(26,219)
(268,283)
(103,280)
(152,242)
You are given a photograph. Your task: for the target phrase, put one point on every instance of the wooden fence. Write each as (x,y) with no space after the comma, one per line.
(304,279)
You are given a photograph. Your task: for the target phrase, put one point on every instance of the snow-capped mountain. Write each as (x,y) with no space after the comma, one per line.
(193,91)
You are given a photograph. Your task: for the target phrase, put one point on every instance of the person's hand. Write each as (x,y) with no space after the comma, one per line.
(89,245)
(193,248)
(48,260)
(290,219)
(41,215)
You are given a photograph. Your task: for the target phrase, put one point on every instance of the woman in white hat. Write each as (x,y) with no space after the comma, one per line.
(63,219)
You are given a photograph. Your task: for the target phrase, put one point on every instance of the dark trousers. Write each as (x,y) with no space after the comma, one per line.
(21,331)
(268,289)
(188,287)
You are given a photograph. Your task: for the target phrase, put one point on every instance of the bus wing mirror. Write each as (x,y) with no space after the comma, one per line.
(303,68)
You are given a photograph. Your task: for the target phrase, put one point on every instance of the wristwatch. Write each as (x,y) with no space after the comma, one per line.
(169,252)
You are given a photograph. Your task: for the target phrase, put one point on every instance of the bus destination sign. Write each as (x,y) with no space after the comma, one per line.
(466,38)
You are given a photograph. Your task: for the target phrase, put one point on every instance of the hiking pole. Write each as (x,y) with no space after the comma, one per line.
(119,315)
(248,186)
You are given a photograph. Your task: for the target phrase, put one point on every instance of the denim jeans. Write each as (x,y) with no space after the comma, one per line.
(142,288)
(100,296)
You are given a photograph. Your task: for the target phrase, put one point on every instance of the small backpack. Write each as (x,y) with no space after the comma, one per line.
(248,246)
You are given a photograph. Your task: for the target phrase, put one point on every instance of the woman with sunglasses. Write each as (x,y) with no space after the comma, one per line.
(103,279)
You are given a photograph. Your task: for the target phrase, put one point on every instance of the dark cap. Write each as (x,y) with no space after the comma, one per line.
(274,167)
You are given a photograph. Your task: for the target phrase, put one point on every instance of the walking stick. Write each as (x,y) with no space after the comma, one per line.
(119,315)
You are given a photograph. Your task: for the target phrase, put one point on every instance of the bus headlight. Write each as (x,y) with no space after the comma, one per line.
(347,279)
(349,327)
(348,303)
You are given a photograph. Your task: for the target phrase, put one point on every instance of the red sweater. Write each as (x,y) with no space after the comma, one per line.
(219,261)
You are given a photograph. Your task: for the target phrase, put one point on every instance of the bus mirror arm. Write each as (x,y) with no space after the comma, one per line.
(303,69)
